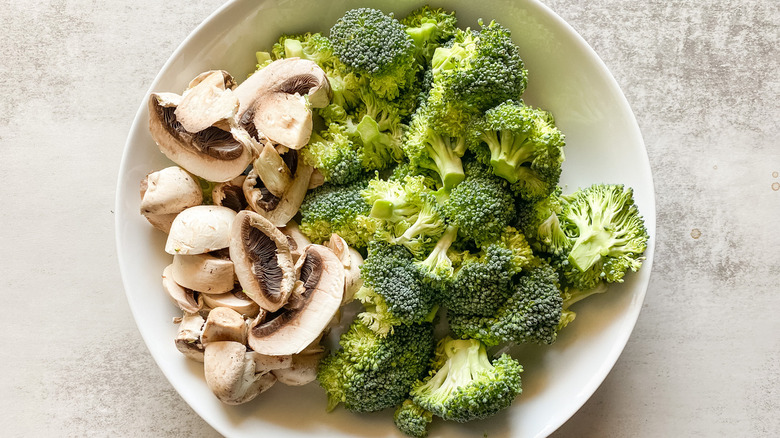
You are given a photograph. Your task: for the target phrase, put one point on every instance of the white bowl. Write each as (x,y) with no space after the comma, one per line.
(603,145)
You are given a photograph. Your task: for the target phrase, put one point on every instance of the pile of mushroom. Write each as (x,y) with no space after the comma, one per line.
(256,296)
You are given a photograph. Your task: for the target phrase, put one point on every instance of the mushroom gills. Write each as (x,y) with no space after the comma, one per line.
(316,299)
(262,260)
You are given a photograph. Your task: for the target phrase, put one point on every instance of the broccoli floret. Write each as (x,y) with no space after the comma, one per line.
(310,46)
(372,372)
(476,71)
(430,149)
(393,290)
(607,232)
(530,315)
(410,210)
(437,267)
(464,385)
(524,147)
(481,206)
(483,281)
(539,221)
(429,29)
(412,420)
(376,46)
(336,156)
(337,209)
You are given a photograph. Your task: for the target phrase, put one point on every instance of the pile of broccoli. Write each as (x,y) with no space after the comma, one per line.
(447,182)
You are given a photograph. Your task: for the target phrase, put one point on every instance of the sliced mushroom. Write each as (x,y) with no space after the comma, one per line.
(180,296)
(317,179)
(265,363)
(351,259)
(188,340)
(230,194)
(166,193)
(273,171)
(275,101)
(203,273)
(278,209)
(235,299)
(200,229)
(224,324)
(231,373)
(203,136)
(297,240)
(312,306)
(303,366)
(262,260)
(208,101)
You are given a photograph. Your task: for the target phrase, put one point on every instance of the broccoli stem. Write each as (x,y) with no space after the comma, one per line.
(438,261)
(508,151)
(448,164)
(589,248)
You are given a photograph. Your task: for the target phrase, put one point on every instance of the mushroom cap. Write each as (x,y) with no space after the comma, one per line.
(351,259)
(168,191)
(314,303)
(180,296)
(224,324)
(200,229)
(297,240)
(279,210)
(235,299)
(230,373)
(188,340)
(230,194)
(203,273)
(216,149)
(262,260)
(275,101)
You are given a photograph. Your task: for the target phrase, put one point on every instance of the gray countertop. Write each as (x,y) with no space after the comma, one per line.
(702,77)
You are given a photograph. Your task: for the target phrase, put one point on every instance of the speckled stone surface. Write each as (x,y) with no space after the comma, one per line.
(702,78)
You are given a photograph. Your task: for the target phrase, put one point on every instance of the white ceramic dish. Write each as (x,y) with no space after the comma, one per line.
(603,145)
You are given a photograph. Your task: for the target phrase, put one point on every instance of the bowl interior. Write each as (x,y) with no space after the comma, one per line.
(603,145)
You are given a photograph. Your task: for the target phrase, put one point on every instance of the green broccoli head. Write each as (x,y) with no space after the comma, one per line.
(464,385)
(429,29)
(412,420)
(474,72)
(427,148)
(530,315)
(335,155)
(372,372)
(607,232)
(481,206)
(338,209)
(410,210)
(483,282)
(393,289)
(310,46)
(539,220)
(376,46)
(523,146)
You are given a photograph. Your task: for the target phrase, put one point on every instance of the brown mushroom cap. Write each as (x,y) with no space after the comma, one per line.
(314,303)
(262,260)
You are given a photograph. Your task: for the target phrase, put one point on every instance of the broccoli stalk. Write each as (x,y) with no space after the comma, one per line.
(464,385)
(608,235)
(438,266)
(429,149)
(525,147)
